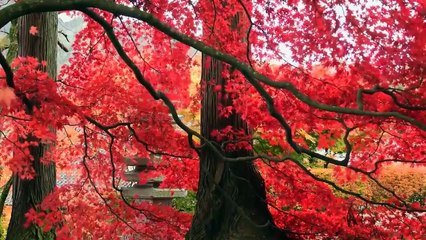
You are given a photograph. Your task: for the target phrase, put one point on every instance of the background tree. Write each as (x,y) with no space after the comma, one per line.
(37,37)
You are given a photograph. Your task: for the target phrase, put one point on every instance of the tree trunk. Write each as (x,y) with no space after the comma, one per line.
(231,196)
(28,193)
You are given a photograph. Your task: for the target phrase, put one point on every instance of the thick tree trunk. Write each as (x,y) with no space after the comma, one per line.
(231,196)
(28,193)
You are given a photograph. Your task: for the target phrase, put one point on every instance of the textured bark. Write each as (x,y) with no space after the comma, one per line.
(28,193)
(231,196)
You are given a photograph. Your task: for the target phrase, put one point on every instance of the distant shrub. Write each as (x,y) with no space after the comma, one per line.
(406,182)
(186,204)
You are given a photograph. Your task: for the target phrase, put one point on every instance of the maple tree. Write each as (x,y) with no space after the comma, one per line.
(286,87)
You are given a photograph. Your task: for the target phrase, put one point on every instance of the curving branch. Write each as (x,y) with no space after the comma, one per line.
(86,167)
(132,39)
(388,92)
(30,6)
(348,192)
(251,75)
(157,95)
(146,213)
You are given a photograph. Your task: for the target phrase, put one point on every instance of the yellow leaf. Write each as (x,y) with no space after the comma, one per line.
(306,135)
(4,41)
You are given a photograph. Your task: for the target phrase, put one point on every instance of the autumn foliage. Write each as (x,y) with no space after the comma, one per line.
(402,179)
(337,83)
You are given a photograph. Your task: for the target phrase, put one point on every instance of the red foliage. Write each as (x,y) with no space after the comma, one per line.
(355,56)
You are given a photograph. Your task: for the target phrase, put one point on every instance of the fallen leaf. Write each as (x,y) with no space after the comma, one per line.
(33,30)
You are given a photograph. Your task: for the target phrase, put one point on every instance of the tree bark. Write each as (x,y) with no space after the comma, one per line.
(231,196)
(28,193)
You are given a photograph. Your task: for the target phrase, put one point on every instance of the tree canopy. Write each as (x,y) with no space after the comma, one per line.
(318,83)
